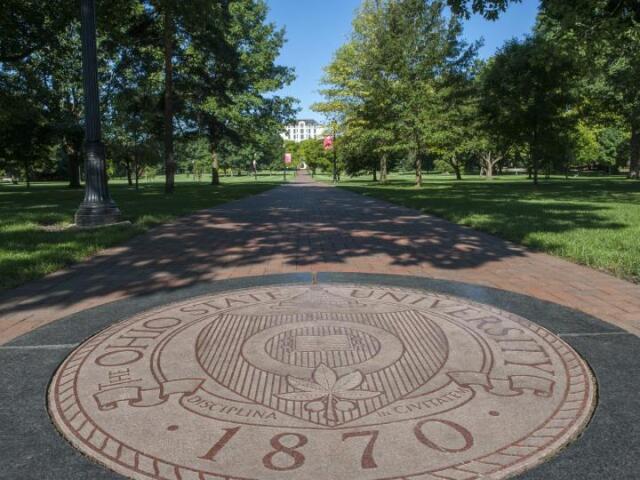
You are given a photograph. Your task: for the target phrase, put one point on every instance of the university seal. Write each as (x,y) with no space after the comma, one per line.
(322,382)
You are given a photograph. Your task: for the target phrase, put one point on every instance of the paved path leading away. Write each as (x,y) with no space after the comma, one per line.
(310,227)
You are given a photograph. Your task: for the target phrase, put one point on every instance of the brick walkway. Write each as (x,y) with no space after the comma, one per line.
(309,227)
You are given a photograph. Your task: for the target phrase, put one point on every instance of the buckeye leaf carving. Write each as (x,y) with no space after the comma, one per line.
(327,392)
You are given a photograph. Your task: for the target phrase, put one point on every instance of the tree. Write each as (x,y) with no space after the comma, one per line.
(312,152)
(192,156)
(27,26)
(429,57)
(231,72)
(168,11)
(169,75)
(586,146)
(613,143)
(134,128)
(360,91)
(453,135)
(491,9)
(61,73)
(45,55)
(178,27)
(25,135)
(608,32)
(527,94)
(385,85)
(608,35)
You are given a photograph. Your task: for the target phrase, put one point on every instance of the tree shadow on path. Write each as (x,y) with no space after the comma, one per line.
(298,226)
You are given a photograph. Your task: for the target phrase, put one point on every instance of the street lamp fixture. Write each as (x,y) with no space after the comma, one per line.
(97,208)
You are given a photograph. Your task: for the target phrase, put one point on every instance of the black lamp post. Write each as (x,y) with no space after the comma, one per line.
(97,208)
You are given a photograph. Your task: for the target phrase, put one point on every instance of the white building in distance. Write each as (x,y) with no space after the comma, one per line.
(303,129)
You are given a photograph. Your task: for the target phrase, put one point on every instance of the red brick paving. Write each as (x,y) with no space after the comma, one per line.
(309,227)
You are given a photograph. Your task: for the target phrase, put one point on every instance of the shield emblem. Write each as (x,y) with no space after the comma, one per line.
(328,362)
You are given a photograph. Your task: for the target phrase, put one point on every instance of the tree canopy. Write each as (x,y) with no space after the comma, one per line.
(169,76)
(405,87)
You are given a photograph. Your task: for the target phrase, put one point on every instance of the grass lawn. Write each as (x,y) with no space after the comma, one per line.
(594,221)
(32,242)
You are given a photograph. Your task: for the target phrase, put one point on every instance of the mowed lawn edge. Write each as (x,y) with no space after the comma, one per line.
(593,221)
(35,239)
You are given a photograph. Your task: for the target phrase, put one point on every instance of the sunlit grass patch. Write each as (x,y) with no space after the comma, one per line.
(594,221)
(35,240)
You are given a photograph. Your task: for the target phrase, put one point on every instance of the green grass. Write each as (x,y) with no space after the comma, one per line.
(33,241)
(594,221)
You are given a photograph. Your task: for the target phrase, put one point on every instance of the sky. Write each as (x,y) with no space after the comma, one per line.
(315,29)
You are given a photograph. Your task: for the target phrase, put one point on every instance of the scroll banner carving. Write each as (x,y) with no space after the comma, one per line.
(511,386)
(139,397)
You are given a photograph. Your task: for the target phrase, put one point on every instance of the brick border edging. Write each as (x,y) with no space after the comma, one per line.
(574,327)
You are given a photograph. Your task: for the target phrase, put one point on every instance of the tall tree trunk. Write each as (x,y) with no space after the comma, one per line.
(375,177)
(27,172)
(488,165)
(383,168)
(215,167)
(535,161)
(74,170)
(128,168)
(456,168)
(417,160)
(418,164)
(169,160)
(136,170)
(534,168)
(74,167)
(634,161)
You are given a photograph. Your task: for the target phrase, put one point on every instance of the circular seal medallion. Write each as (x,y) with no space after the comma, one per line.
(323,382)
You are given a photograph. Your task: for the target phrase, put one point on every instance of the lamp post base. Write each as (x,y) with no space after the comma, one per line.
(97,214)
